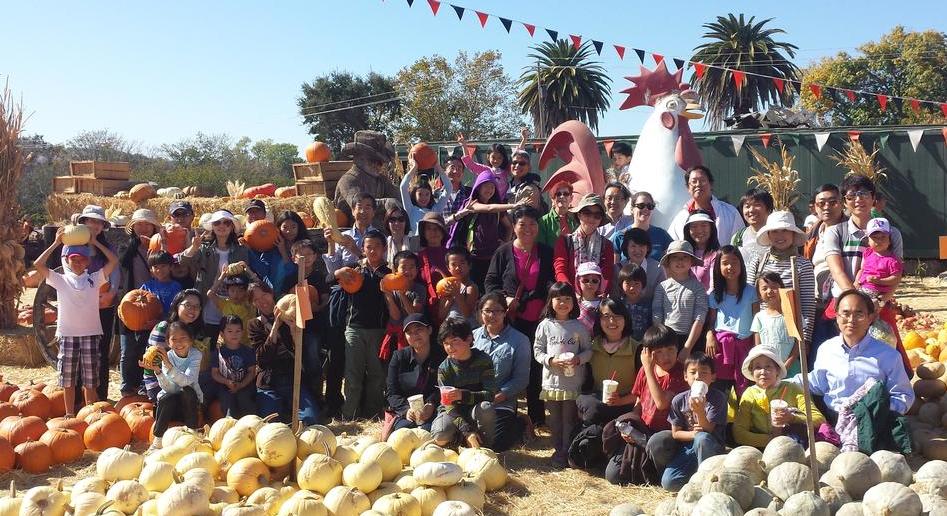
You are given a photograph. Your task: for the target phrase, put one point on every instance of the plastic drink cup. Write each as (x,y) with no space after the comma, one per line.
(608,387)
(416,402)
(777,407)
(446,391)
(568,370)
(699,390)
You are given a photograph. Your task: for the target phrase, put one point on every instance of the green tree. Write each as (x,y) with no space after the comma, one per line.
(563,84)
(902,63)
(276,156)
(336,105)
(748,46)
(439,98)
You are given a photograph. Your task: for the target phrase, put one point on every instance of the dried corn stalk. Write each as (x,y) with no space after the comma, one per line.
(859,163)
(779,179)
(12,160)
(235,188)
(113,212)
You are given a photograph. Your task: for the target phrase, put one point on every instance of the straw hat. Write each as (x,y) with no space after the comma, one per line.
(680,247)
(92,211)
(142,215)
(762,351)
(371,144)
(780,220)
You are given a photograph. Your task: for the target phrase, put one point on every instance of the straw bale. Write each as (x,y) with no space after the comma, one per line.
(18,348)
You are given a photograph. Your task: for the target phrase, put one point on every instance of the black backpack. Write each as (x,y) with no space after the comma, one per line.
(586,448)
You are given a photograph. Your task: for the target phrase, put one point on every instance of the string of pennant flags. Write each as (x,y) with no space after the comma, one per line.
(821,138)
(700,68)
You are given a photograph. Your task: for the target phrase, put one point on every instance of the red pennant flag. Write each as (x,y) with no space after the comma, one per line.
(780,84)
(483,18)
(699,69)
(916,105)
(531,29)
(851,95)
(882,102)
(943,108)
(854,135)
(608,146)
(435,5)
(621,55)
(765,137)
(576,41)
(816,90)
(657,58)
(738,77)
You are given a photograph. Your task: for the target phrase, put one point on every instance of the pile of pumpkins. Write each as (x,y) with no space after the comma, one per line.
(778,481)
(244,467)
(927,352)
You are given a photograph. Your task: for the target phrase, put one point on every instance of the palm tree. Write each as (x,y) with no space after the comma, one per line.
(564,84)
(739,44)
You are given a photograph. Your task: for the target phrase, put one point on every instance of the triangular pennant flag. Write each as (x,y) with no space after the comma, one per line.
(883,140)
(640,54)
(854,136)
(780,84)
(679,63)
(608,146)
(737,140)
(435,5)
(531,29)
(851,95)
(943,109)
(459,10)
(766,137)
(620,50)
(915,136)
(576,41)
(657,58)
(410,3)
(507,24)
(916,105)
(738,77)
(553,34)
(483,18)
(699,69)
(882,102)
(820,139)
(898,102)
(815,89)
(598,46)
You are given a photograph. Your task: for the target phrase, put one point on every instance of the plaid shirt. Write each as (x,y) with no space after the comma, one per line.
(454,205)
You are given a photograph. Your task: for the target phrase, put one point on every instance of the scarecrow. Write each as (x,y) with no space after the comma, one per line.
(371,153)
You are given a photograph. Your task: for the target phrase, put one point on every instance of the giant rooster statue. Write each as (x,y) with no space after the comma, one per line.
(665,147)
(573,143)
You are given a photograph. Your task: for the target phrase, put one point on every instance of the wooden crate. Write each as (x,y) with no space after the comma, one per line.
(310,187)
(326,171)
(94,186)
(101,169)
(64,184)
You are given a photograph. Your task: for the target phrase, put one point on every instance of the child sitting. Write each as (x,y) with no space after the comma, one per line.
(756,421)
(233,367)
(680,301)
(698,426)
(460,299)
(881,270)
(180,396)
(769,326)
(588,277)
(633,279)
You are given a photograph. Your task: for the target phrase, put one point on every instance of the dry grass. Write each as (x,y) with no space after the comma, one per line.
(18,348)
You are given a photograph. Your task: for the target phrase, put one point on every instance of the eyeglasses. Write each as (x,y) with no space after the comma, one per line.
(645,205)
(857,195)
(611,317)
(596,214)
(190,306)
(563,193)
(520,163)
(590,281)
(852,316)
(827,202)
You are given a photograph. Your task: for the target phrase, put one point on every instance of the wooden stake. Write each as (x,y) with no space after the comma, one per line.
(804,369)
(297,355)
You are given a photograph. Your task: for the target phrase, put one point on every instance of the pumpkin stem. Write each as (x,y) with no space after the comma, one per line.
(103,507)
(271,417)
(178,478)
(13,489)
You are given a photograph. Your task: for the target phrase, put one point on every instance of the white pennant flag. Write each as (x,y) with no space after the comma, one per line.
(915,136)
(737,142)
(820,139)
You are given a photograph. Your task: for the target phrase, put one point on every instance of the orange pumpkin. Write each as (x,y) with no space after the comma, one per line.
(142,192)
(350,279)
(68,423)
(446,284)
(31,402)
(33,385)
(7,456)
(134,407)
(140,422)
(395,281)
(285,192)
(19,429)
(7,409)
(33,457)
(317,152)
(125,401)
(266,190)
(308,221)
(424,156)
(174,240)
(106,296)
(139,310)
(98,406)
(66,445)
(57,400)
(6,390)
(107,431)
(261,235)
(32,279)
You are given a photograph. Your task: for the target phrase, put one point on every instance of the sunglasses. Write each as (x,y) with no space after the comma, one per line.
(857,195)
(590,281)
(520,163)
(563,193)
(645,205)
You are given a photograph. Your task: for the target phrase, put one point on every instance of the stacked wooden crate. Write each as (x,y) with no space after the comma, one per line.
(319,178)
(94,177)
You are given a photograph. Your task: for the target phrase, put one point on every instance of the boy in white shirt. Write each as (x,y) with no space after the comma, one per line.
(78,326)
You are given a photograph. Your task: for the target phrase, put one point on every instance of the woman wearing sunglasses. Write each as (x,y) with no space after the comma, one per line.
(396,224)
(585,244)
(642,207)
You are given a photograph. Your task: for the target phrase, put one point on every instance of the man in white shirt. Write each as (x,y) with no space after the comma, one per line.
(700,183)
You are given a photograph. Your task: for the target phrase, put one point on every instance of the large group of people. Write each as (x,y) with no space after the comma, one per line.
(646,349)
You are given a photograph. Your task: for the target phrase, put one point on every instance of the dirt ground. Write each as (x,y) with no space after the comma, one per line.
(536,487)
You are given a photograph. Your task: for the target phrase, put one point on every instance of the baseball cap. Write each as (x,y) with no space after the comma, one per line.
(81,250)
(255,204)
(239,280)
(586,268)
(180,205)
(414,319)
(878,224)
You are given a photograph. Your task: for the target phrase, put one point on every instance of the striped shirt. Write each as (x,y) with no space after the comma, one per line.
(805,277)
(474,375)
(677,305)
(850,241)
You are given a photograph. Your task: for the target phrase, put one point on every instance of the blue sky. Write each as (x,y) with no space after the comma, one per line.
(158,72)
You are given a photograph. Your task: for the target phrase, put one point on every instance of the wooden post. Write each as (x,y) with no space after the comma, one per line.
(804,369)
(298,354)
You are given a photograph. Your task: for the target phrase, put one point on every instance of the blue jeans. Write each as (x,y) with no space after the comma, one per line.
(237,404)
(683,463)
(312,359)
(278,399)
(401,422)
(133,349)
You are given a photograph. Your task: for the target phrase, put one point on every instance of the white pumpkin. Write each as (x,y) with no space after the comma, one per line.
(834,497)
(44,501)
(489,469)
(711,464)
(238,443)
(118,464)
(127,495)
(782,449)
(438,473)
(247,475)
(362,442)
(687,498)
(180,436)
(315,439)
(89,485)
(626,509)
(385,488)
(931,470)
(276,444)
(469,492)
(251,421)
(218,429)
(86,504)
(385,456)
(748,460)
(716,504)
(805,503)
(267,499)
(319,473)
(406,480)
(397,504)
(423,435)
(345,455)
(825,453)
(364,477)
(857,473)
(429,498)
(201,479)
(197,460)
(892,498)
(894,467)
(468,453)
(851,509)
(428,453)
(156,476)
(404,442)
(666,508)
(170,454)
(733,483)
(304,502)
(451,455)
(224,494)
(185,499)
(346,501)
(788,479)
(454,508)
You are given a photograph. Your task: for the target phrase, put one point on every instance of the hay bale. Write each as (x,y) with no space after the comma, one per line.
(18,348)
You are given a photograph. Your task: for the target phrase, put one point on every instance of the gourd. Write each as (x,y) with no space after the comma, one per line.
(748,460)
(712,464)
(856,472)
(894,467)
(385,488)
(403,441)
(276,444)
(454,508)
(224,494)
(238,443)
(261,235)
(90,485)
(468,453)
(142,192)
(361,443)
(447,284)
(183,499)
(394,281)
(346,501)
(626,509)
(218,430)
(805,503)
(247,475)
(33,457)
(317,152)
(429,498)
(266,498)
(86,504)
(397,504)
(825,453)
(687,498)
(782,449)
(427,453)
(892,499)
(197,460)
(386,457)
(438,473)
(118,464)
(467,492)
(489,469)
(156,476)
(44,501)
(108,431)
(139,310)
(201,479)
(350,279)
(76,234)
(127,495)
(716,504)
(66,445)
(424,156)
(19,429)
(303,502)
(788,479)
(733,483)
(364,477)
(319,473)
(31,402)
(10,504)
(315,439)
(834,497)
(851,509)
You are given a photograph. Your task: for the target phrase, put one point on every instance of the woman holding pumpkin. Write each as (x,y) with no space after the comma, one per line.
(186,308)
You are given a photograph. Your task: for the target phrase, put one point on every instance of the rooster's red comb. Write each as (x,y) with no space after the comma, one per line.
(650,85)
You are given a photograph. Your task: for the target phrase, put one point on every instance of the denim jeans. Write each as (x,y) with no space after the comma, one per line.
(312,359)
(237,404)
(133,348)
(680,460)
(278,399)
(364,374)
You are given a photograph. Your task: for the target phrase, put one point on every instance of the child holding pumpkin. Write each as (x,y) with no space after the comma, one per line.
(404,295)
(233,367)
(237,301)
(177,374)
(459,295)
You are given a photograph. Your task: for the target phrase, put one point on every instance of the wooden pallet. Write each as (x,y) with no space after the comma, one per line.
(76,185)
(325,171)
(101,169)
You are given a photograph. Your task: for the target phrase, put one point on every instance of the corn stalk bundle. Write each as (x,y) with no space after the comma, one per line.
(324,211)
(12,160)
(859,163)
(235,188)
(779,179)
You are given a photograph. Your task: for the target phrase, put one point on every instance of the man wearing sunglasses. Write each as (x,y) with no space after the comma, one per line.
(700,185)
(520,169)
